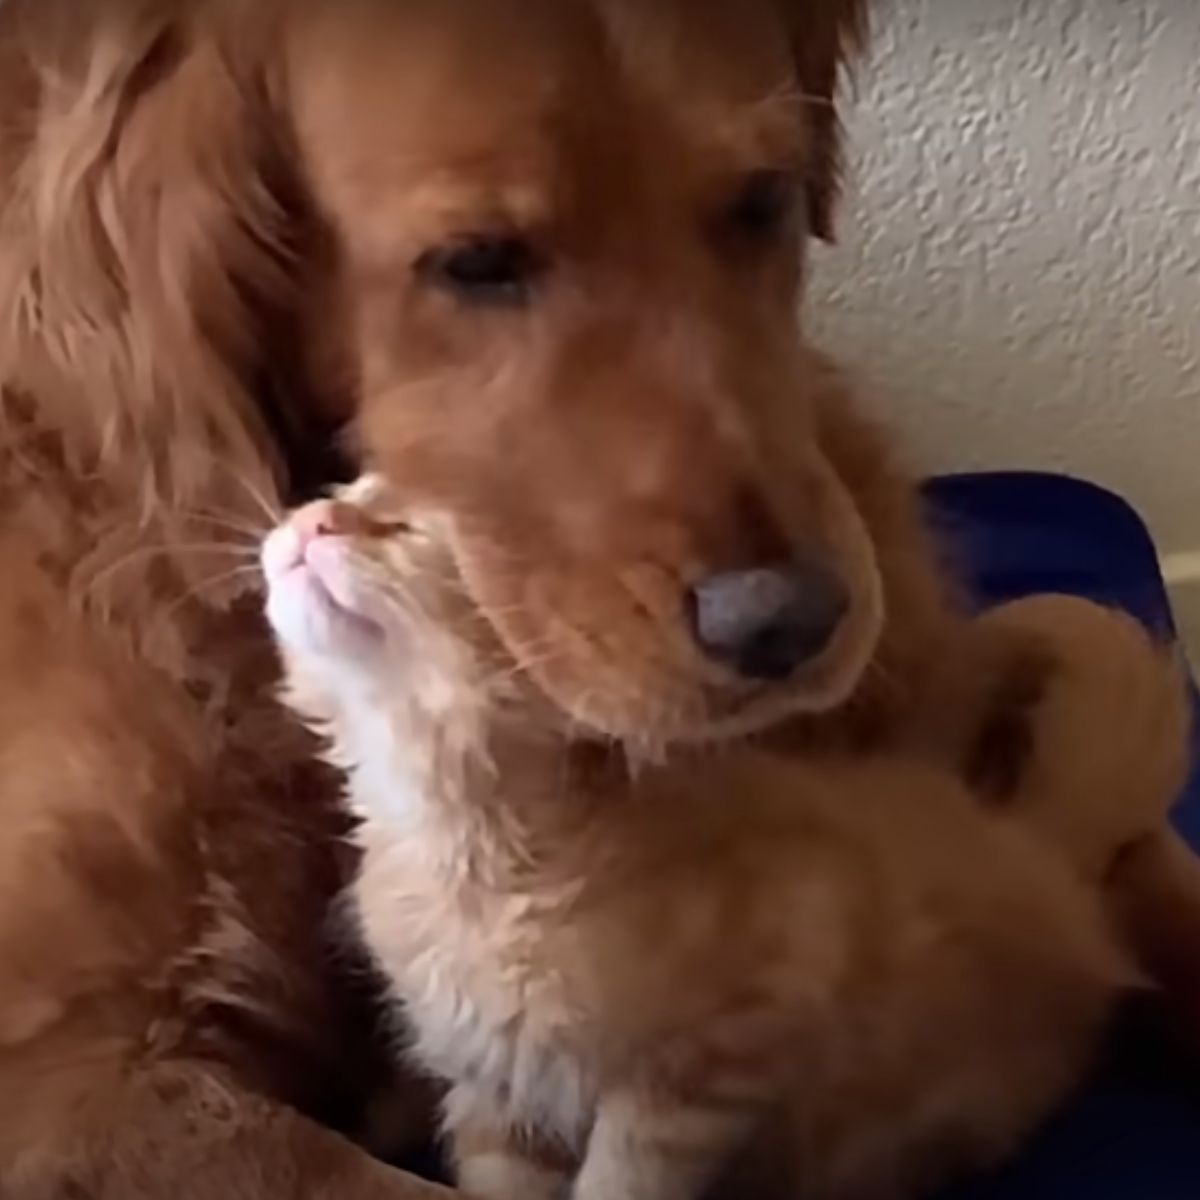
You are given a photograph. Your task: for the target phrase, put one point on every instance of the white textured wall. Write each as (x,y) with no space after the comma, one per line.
(1019,272)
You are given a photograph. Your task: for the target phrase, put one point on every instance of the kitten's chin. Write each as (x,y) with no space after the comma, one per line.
(310,619)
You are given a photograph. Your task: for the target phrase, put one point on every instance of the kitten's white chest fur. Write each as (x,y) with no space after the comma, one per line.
(461,949)
(481,1014)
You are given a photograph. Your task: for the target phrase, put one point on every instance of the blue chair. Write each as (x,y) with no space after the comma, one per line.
(1134,1132)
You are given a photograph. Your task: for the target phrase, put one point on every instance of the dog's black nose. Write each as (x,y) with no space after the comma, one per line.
(766,622)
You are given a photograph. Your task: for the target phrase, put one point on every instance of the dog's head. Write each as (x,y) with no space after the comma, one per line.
(544,258)
(569,240)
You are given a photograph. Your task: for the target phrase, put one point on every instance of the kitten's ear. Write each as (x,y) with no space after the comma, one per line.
(826,35)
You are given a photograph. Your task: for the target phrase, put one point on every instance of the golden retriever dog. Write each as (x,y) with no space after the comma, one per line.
(544,257)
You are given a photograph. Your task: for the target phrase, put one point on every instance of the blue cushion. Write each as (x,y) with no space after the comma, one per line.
(1134,1134)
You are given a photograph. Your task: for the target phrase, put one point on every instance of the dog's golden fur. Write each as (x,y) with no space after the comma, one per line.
(204,273)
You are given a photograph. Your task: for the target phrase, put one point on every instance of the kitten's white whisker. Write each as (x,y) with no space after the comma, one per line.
(198,589)
(163,550)
(272,512)
(225,521)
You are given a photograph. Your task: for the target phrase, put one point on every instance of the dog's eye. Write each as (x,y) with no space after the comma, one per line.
(500,270)
(763,204)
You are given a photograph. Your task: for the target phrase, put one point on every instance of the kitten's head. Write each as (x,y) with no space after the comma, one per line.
(366,607)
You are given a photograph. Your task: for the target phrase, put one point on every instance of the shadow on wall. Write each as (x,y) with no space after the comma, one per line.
(1018,279)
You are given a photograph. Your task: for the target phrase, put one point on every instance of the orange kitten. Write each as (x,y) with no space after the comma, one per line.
(645,979)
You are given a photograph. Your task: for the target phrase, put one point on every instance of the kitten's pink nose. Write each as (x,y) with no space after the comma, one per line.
(329,518)
(310,527)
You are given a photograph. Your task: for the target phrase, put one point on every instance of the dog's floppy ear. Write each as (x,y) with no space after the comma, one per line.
(825,36)
(143,241)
